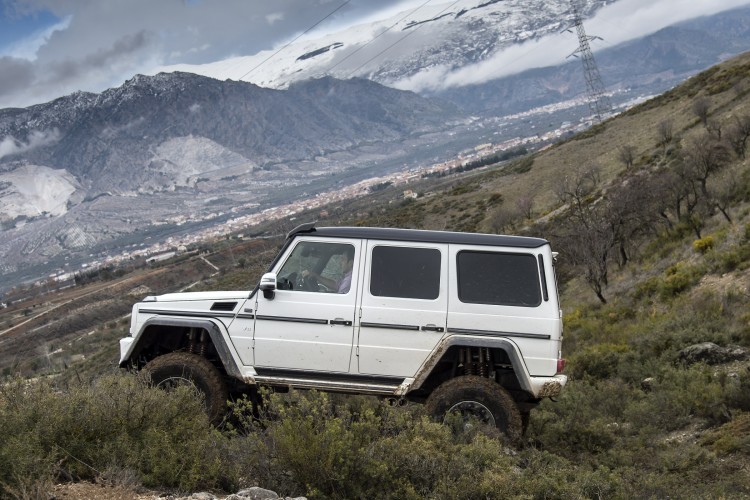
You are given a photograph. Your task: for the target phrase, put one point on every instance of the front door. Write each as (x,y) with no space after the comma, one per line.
(309,322)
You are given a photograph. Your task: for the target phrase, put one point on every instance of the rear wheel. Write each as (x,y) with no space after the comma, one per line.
(181,368)
(480,398)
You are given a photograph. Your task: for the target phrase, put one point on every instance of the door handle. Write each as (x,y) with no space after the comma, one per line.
(432,328)
(339,321)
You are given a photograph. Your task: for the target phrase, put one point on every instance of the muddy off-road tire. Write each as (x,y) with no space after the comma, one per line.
(479,397)
(182,368)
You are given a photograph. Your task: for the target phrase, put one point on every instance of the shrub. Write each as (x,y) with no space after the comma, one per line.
(732,437)
(598,361)
(119,422)
(678,278)
(359,448)
(703,245)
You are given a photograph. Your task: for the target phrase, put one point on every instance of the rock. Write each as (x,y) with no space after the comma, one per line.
(647,384)
(256,493)
(712,354)
(202,496)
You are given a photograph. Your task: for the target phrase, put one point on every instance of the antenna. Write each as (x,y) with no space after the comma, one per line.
(598,100)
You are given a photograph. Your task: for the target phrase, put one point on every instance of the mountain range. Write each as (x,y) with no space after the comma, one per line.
(648,65)
(87,168)
(462,35)
(397,50)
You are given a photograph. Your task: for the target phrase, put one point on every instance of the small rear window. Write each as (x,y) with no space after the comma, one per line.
(505,279)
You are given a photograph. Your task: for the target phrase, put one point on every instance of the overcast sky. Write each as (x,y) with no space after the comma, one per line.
(50,48)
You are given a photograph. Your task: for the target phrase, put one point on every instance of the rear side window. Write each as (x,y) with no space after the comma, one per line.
(411,273)
(504,279)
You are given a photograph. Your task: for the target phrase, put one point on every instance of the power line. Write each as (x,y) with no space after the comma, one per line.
(373,39)
(397,42)
(294,40)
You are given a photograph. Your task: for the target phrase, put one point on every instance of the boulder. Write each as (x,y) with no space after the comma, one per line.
(257,493)
(712,354)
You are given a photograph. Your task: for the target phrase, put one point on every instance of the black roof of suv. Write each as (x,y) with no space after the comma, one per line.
(419,235)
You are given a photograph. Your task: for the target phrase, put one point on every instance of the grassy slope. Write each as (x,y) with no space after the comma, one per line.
(634,420)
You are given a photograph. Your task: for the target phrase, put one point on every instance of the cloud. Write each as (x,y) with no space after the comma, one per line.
(274,17)
(98,44)
(618,22)
(15,75)
(10,146)
(27,47)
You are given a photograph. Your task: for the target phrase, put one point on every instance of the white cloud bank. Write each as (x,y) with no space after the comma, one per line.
(10,145)
(618,22)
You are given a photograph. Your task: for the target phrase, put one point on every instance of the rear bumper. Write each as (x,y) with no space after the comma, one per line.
(548,387)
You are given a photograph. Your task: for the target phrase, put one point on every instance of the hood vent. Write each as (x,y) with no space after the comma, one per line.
(223,306)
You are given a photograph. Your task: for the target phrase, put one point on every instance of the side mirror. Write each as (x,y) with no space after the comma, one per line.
(268,285)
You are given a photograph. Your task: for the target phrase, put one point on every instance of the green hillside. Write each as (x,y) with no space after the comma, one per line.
(650,212)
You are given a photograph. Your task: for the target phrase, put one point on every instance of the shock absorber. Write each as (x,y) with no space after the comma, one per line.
(482,363)
(204,343)
(192,348)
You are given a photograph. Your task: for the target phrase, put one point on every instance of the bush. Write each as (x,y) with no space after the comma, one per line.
(679,278)
(703,245)
(119,423)
(597,361)
(356,447)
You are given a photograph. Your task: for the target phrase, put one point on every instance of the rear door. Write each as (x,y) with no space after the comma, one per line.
(506,293)
(404,302)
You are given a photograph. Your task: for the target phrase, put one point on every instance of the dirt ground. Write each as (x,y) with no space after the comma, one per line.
(90,491)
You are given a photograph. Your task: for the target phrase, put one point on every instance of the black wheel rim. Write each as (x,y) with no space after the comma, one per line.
(472,409)
(171,383)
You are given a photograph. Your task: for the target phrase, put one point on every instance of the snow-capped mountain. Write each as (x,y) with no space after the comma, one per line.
(158,132)
(406,51)
(174,147)
(468,52)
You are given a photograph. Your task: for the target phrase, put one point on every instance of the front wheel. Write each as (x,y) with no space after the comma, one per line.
(182,368)
(477,397)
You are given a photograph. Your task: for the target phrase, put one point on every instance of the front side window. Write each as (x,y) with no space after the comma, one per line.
(505,279)
(412,273)
(315,266)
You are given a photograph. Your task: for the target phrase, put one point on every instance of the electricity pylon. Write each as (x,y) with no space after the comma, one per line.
(598,100)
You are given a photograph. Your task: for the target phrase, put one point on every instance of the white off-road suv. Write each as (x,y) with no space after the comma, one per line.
(463,322)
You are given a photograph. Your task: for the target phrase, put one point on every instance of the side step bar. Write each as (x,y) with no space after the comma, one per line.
(330,385)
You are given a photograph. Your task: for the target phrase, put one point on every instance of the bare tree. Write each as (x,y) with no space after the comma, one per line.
(701,107)
(738,134)
(674,192)
(664,133)
(724,189)
(626,155)
(705,156)
(525,206)
(630,211)
(575,188)
(590,248)
(503,219)
(584,236)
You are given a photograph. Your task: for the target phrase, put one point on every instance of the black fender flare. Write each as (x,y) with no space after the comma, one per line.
(213,329)
(505,344)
